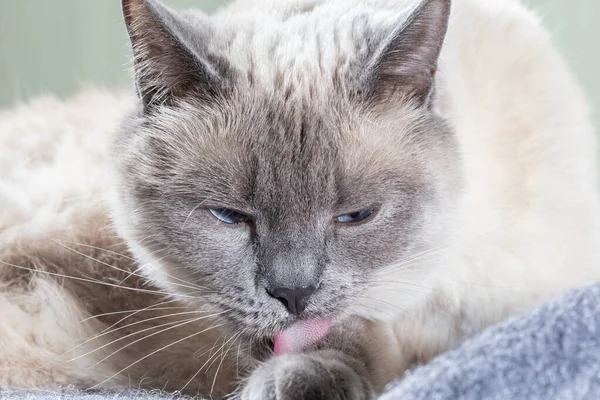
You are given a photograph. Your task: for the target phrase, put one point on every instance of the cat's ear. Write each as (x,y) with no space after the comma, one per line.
(170,56)
(403,65)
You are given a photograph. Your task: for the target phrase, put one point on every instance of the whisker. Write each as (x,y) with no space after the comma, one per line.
(237,360)
(453,239)
(101,334)
(203,365)
(418,256)
(109,330)
(142,240)
(156,333)
(408,293)
(148,202)
(121,338)
(136,271)
(148,264)
(191,212)
(384,302)
(150,307)
(129,311)
(211,348)
(109,265)
(212,387)
(394,282)
(100,248)
(136,332)
(152,353)
(154,292)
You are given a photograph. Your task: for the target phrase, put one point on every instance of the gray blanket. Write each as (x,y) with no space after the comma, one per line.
(552,352)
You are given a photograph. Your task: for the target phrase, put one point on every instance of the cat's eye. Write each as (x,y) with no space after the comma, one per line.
(229,216)
(355,217)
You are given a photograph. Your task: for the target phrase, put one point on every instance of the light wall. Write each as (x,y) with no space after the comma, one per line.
(58,46)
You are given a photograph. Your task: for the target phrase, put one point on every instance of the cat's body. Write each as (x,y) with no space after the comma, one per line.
(522,190)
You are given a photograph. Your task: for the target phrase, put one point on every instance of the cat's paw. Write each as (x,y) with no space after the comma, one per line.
(309,376)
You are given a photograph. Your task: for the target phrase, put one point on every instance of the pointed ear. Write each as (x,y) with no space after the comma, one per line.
(170,55)
(404,64)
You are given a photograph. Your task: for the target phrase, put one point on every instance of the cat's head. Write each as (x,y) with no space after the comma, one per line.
(290,167)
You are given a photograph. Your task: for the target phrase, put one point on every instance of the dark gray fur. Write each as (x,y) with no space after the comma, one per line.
(207,135)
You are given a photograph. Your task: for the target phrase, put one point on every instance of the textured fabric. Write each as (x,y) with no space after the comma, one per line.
(552,352)
(76,395)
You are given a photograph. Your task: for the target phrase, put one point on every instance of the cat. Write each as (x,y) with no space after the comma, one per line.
(306,198)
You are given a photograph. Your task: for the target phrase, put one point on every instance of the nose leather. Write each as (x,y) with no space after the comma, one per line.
(294,299)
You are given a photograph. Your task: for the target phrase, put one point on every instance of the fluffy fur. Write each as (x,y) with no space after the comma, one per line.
(488,187)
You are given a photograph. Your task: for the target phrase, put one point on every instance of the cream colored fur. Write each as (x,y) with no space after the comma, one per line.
(53,170)
(531,211)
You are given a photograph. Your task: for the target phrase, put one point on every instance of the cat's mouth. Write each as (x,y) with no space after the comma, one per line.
(295,338)
(300,335)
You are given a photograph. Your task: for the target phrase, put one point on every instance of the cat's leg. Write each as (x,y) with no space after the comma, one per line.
(327,374)
(343,366)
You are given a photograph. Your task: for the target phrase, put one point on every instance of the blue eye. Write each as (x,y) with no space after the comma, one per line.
(229,216)
(354,217)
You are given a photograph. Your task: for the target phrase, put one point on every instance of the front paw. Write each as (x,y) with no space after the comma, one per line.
(311,376)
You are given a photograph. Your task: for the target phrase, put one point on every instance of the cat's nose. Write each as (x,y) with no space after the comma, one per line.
(293,299)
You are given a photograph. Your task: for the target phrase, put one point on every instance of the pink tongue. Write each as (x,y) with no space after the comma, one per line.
(301,335)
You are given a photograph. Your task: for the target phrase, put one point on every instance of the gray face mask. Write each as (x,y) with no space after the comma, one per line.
(284,191)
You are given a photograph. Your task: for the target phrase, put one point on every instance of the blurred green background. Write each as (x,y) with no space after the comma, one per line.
(58,46)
